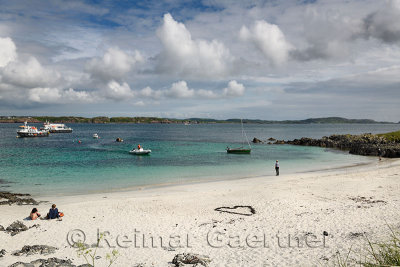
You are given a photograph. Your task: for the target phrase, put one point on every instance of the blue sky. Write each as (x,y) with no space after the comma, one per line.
(212,58)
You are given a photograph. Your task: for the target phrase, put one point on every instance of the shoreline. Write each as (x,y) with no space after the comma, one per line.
(344,204)
(157,188)
(369,161)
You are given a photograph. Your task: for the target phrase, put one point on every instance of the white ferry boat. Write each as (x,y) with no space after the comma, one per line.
(56,128)
(31,131)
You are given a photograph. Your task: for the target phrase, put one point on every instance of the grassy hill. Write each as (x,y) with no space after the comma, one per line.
(73,119)
(392,136)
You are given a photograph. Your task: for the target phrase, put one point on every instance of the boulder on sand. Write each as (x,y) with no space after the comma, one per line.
(35,249)
(189,258)
(16,227)
(51,262)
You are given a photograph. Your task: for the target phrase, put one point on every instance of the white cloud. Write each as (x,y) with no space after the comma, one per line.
(206,94)
(79,96)
(29,74)
(140,103)
(234,89)
(184,56)
(114,64)
(180,90)
(8,51)
(147,92)
(55,95)
(117,91)
(43,95)
(269,39)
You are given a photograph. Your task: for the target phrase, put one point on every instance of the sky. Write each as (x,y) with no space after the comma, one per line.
(270,59)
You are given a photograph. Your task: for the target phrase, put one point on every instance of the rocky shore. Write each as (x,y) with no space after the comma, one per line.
(364,144)
(8,198)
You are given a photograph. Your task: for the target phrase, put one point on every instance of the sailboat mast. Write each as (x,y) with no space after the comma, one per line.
(244,134)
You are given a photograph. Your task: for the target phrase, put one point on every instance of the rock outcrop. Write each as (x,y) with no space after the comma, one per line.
(256,140)
(364,144)
(16,228)
(15,198)
(35,249)
(51,262)
(2,253)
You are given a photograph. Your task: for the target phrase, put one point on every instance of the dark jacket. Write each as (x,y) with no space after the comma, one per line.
(53,213)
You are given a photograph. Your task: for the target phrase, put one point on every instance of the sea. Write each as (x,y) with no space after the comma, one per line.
(61,165)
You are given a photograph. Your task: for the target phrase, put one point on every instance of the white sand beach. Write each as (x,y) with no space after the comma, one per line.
(345,203)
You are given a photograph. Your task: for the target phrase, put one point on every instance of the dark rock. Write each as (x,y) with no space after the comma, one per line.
(2,253)
(189,258)
(279,142)
(15,198)
(355,235)
(324,258)
(35,249)
(2,229)
(256,140)
(16,227)
(364,144)
(51,262)
(271,139)
(367,201)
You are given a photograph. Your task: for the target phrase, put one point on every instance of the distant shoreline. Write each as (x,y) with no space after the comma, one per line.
(156,120)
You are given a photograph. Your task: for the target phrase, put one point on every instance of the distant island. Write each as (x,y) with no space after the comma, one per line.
(73,119)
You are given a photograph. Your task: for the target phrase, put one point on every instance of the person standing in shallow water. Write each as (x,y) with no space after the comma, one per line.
(277,168)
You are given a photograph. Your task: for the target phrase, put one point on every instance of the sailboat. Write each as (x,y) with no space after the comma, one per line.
(240,150)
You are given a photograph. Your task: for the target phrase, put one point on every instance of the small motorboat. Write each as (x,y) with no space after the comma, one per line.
(96,136)
(119,139)
(140,151)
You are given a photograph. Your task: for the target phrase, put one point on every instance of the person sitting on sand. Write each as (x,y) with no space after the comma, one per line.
(34,214)
(53,212)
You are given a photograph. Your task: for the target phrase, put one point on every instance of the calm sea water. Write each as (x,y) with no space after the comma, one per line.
(58,164)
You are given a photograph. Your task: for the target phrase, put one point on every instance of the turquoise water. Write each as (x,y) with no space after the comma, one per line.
(60,165)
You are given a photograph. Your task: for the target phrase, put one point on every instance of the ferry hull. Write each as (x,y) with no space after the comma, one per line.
(33,134)
(61,131)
